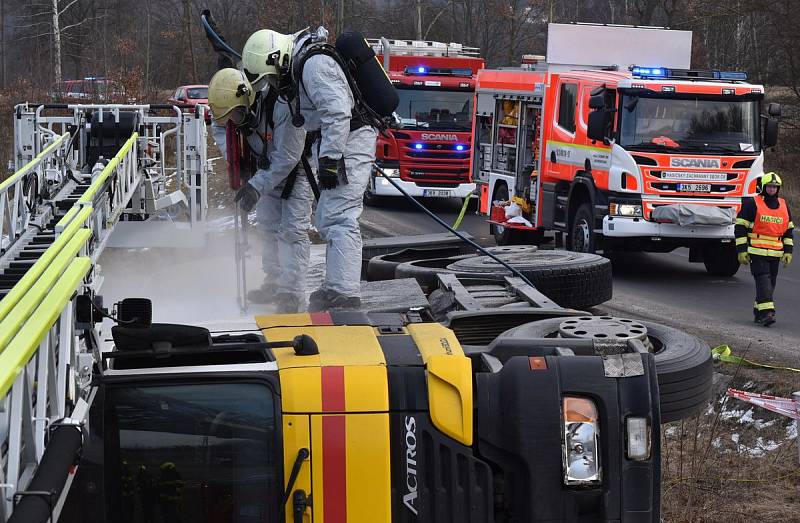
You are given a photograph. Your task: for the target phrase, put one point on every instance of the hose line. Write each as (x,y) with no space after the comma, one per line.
(441,222)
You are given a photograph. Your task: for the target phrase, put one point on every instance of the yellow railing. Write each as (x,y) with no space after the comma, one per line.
(28,167)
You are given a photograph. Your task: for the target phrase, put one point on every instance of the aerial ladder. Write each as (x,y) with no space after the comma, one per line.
(87,177)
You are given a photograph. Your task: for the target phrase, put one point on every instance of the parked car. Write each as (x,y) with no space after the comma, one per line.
(90,89)
(191,95)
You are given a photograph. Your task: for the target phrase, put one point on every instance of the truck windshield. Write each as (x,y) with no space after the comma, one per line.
(689,124)
(192,452)
(446,110)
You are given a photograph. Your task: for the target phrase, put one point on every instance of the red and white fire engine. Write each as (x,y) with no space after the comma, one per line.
(427,152)
(618,143)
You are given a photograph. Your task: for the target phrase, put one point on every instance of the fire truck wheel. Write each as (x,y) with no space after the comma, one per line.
(371,199)
(720,260)
(683,363)
(581,232)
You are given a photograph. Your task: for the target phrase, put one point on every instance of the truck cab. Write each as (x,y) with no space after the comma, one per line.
(427,150)
(365,417)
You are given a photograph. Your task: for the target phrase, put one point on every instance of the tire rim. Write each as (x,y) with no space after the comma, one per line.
(580,236)
(605,328)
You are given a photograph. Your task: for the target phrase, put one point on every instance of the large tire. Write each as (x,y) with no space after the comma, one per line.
(721,260)
(683,365)
(581,231)
(388,245)
(382,267)
(573,280)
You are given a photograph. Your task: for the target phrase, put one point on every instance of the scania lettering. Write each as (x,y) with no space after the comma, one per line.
(427,150)
(620,159)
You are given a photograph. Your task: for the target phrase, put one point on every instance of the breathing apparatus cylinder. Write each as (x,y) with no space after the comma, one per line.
(377,91)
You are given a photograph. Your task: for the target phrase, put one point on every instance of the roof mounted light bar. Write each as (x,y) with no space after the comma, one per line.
(687,74)
(423,70)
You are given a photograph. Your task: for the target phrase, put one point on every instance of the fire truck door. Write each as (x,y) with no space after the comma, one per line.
(560,150)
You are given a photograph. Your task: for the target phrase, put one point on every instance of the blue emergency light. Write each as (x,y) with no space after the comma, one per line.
(459,147)
(655,72)
(421,70)
(418,146)
(687,74)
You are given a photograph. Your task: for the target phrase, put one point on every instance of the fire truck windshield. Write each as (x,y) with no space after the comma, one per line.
(689,124)
(446,110)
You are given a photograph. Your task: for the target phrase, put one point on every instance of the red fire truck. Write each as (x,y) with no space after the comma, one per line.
(428,149)
(646,157)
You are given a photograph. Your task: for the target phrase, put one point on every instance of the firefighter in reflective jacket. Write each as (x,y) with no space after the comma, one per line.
(170,492)
(763,239)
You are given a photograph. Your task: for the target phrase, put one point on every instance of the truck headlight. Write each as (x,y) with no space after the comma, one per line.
(580,448)
(389,172)
(625,209)
(638,438)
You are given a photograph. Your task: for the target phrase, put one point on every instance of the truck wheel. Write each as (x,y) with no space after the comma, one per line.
(720,260)
(507,236)
(574,280)
(371,199)
(683,362)
(581,233)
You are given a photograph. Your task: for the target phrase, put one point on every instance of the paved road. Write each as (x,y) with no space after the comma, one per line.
(661,287)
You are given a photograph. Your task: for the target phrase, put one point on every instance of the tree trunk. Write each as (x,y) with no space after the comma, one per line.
(3,39)
(187,15)
(56,43)
(419,19)
(147,48)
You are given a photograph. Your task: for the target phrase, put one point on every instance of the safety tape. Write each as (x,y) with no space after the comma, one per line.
(724,354)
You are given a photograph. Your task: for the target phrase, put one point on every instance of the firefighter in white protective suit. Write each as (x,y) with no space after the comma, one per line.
(322,102)
(280,188)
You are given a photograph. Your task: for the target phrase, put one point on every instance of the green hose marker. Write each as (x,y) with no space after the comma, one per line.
(463,211)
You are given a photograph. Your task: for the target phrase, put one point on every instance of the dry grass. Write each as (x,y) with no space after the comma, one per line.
(723,466)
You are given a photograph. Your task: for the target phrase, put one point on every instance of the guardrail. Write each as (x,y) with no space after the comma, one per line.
(15,207)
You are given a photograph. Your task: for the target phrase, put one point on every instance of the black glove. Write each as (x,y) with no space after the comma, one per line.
(329,173)
(247,196)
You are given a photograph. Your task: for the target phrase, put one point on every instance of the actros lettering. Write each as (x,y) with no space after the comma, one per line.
(410,497)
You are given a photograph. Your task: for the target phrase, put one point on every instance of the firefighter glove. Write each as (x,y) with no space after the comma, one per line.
(786,259)
(744,258)
(247,196)
(329,171)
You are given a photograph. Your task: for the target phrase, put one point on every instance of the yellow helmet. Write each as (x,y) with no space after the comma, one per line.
(770,178)
(228,90)
(265,53)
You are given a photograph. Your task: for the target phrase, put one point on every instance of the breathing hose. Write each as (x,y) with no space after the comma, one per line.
(441,222)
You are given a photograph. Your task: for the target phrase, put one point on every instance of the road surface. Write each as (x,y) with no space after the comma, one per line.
(661,287)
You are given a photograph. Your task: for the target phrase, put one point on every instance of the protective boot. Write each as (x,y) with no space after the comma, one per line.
(263,295)
(324,300)
(769,319)
(287,303)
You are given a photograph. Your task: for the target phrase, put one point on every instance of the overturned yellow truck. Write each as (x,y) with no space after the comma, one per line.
(361,417)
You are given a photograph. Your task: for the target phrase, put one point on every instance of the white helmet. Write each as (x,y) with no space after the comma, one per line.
(230,96)
(266,53)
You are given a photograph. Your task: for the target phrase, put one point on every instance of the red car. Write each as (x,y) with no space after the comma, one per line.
(191,95)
